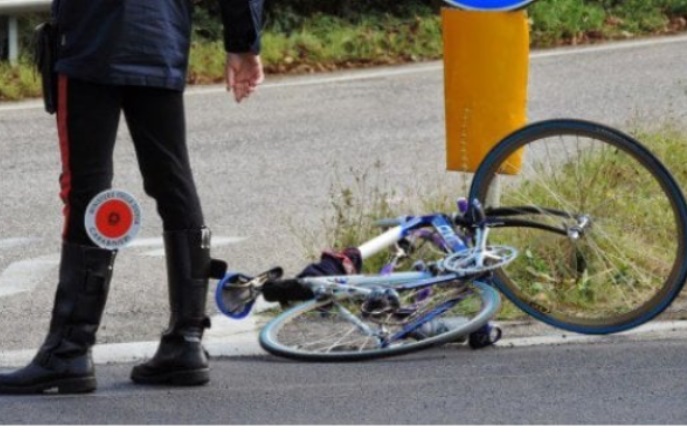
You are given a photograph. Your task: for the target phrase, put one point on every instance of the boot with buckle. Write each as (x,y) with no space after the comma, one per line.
(180,358)
(64,363)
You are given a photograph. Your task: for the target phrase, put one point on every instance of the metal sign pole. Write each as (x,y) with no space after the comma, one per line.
(3,37)
(13,40)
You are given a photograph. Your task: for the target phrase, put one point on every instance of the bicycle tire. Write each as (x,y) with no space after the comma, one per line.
(628,266)
(309,331)
(490,5)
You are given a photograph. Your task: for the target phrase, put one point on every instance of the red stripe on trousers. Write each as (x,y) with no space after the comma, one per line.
(63,132)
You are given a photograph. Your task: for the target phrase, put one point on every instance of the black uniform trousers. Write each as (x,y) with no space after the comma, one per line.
(88,116)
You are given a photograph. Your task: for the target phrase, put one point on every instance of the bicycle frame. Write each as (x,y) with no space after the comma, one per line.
(334,285)
(474,221)
(503,217)
(440,222)
(475,224)
(331,287)
(474,218)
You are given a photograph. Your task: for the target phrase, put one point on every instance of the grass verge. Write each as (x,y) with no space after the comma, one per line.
(19,82)
(357,205)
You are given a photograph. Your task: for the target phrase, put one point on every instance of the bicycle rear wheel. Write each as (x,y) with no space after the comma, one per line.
(345,330)
(628,262)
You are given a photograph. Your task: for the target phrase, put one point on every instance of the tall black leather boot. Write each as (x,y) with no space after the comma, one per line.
(64,362)
(180,358)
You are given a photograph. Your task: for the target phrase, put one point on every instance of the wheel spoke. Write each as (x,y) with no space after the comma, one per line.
(627,264)
(344,331)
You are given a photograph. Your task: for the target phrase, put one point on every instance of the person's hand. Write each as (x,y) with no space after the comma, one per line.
(243,74)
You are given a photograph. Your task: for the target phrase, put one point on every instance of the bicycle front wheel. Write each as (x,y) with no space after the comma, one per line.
(618,257)
(345,330)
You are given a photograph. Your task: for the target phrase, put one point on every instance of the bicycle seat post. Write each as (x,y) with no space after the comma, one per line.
(480,221)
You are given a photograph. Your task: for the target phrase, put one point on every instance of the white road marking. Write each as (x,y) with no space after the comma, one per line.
(384,72)
(563,337)
(24,105)
(25,275)
(613,46)
(121,353)
(240,338)
(224,327)
(155,242)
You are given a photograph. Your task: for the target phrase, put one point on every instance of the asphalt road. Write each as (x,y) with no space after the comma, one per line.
(620,384)
(266,171)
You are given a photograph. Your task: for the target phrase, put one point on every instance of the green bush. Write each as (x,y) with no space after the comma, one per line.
(561,20)
(291,15)
(675,7)
(20,81)
(317,35)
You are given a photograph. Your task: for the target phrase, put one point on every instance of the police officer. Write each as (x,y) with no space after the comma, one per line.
(130,57)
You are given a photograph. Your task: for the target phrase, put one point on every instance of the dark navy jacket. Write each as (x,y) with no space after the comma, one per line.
(142,42)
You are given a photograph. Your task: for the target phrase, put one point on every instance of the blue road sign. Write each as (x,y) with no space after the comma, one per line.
(490,5)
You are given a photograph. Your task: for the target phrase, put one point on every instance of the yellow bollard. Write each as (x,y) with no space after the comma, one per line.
(486,60)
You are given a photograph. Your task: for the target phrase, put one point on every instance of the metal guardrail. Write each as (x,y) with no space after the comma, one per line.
(9,10)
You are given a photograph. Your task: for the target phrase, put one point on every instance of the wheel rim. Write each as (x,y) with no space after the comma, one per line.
(323,330)
(626,266)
